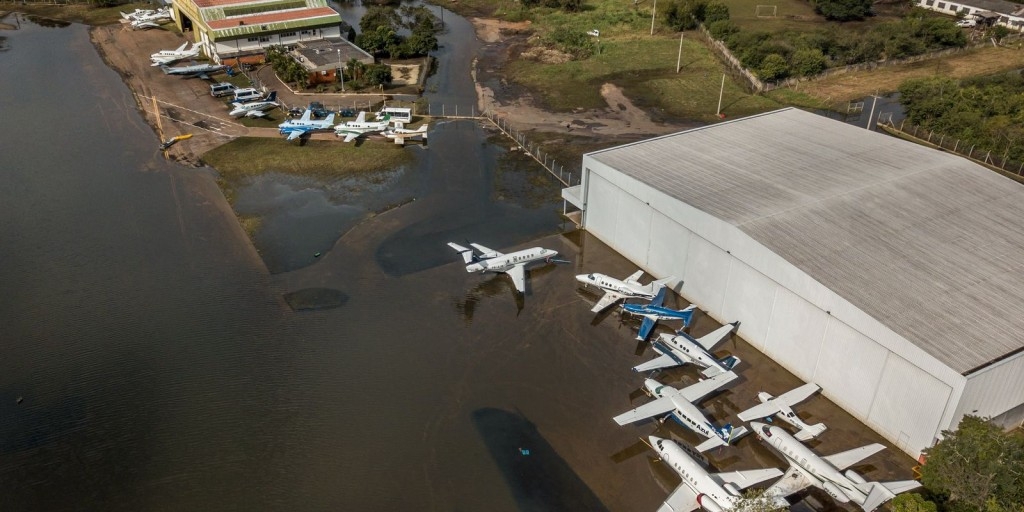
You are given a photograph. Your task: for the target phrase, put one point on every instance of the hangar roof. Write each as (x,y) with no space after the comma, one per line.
(928,243)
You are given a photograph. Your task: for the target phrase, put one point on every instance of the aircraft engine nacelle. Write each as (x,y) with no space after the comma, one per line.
(835,492)
(732,489)
(708,504)
(854,477)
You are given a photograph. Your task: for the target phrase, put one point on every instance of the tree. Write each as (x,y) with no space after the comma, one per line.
(843,10)
(912,502)
(684,14)
(773,67)
(809,62)
(977,467)
(757,500)
(378,74)
(380,16)
(715,11)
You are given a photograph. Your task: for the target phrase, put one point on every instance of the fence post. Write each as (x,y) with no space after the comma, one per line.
(901,124)
(942,138)
(971,152)
(956,145)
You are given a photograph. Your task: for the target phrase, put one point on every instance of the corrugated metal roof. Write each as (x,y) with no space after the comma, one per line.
(926,242)
(274,17)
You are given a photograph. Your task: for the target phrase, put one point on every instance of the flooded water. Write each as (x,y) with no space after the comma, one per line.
(153,362)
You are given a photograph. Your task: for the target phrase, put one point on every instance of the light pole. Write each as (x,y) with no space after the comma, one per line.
(341,71)
(653,11)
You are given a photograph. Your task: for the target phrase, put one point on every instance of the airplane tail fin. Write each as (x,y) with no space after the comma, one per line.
(877,495)
(468,256)
(810,432)
(330,118)
(729,362)
(728,433)
(687,315)
(657,284)
(273,96)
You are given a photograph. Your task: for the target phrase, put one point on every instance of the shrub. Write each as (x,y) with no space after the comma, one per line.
(773,67)
(722,29)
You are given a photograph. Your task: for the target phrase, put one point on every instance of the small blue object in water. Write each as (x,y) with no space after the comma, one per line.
(317,255)
(524,451)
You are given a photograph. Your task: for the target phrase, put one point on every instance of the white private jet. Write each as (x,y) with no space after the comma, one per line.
(254,108)
(806,468)
(679,403)
(196,70)
(164,57)
(305,124)
(352,130)
(615,289)
(781,407)
(681,348)
(714,492)
(481,259)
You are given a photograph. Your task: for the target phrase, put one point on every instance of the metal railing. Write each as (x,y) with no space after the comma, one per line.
(994,159)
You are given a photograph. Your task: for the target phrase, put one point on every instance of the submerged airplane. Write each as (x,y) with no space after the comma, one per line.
(714,492)
(681,348)
(679,402)
(781,407)
(806,468)
(615,289)
(196,70)
(254,108)
(164,57)
(352,130)
(654,311)
(402,134)
(483,260)
(148,18)
(306,124)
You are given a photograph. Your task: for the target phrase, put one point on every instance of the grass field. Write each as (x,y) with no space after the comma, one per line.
(323,159)
(644,66)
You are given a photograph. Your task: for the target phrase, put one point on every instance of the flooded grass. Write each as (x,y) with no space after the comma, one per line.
(250,156)
(78,13)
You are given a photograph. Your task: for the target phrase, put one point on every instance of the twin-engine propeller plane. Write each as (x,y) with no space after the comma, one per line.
(305,125)
(781,407)
(615,289)
(679,403)
(655,310)
(681,348)
(482,260)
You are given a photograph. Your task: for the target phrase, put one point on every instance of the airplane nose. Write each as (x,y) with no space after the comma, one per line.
(475,267)
(654,440)
(582,278)
(757,425)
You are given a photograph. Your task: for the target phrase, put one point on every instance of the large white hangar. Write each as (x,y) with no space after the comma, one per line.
(888,273)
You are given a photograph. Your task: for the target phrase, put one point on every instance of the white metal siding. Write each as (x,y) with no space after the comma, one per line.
(993,390)
(669,244)
(705,275)
(849,365)
(749,297)
(908,405)
(795,333)
(602,219)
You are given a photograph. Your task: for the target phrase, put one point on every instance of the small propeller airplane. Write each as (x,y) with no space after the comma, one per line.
(781,407)
(254,108)
(679,404)
(164,57)
(196,70)
(352,130)
(807,468)
(615,289)
(306,124)
(400,135)
(681,348)
(654,311)
(713,492)
(481,259)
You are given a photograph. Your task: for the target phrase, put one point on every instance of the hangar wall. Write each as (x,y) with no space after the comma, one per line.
(995,391)
(888,383)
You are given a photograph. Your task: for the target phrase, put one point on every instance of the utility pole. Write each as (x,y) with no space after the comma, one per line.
(653,11)
(874,100)
(720,92)
(679,59)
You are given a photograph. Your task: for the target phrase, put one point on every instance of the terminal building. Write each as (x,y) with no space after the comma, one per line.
(234,29)
(888,273)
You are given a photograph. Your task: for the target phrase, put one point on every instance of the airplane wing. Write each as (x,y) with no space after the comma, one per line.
(744,479)
(255,113)
(648,410)
(709,340)
(608,299)
(306,116)
(182,47)
(518,274)
(683,499)
(294,134)
(792,482)
(361,118)
(486,252)
(203,76)
(697,391)
(663,361)
(634,277)
(789,398)
(843,460)
(351,136)
(645,328)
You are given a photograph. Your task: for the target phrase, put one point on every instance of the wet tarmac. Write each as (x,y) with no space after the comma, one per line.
(163,367)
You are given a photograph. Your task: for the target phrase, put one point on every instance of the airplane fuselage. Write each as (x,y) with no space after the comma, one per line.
(656,312)
(685,413)
(710,494)
(610,284)
(822,474)
(505,262)
(687,351)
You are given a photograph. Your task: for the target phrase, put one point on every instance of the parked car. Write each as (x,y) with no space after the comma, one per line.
(318,109)
(966,23)
(221,89)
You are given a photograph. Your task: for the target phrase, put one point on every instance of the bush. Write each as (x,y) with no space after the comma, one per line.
(808,62)
(843,10)
(773,67)
(715,12)
(684,14)
(572,41)
(722,29)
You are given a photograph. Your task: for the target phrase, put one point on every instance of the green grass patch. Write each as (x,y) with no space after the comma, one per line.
(645,68)
(250,156)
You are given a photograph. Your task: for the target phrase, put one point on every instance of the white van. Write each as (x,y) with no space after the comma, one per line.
(247,94)
(220,89)
(398,115)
